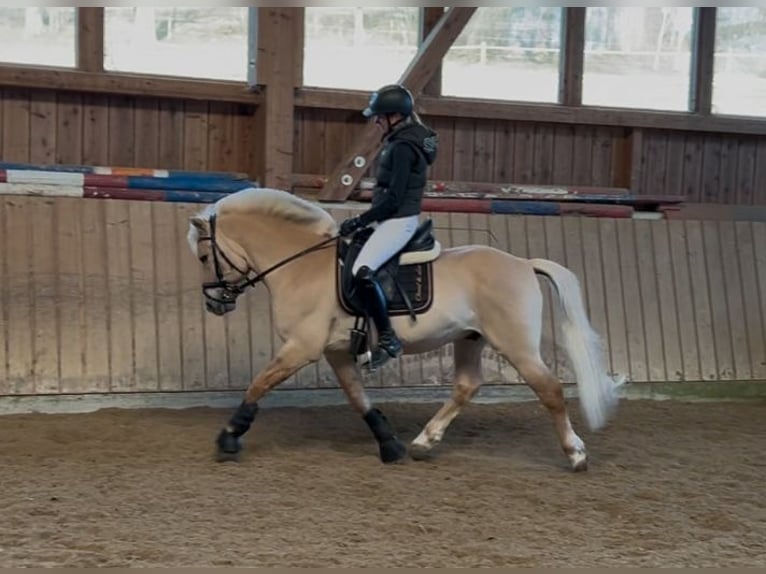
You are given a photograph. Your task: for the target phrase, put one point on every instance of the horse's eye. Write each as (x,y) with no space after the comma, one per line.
(203,259)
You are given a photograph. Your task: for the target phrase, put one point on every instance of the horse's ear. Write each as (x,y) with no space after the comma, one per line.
(199,223)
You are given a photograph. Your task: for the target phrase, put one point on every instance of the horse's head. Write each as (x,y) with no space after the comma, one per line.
(226,267)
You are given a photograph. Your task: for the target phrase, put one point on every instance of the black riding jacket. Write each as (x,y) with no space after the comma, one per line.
(401,176)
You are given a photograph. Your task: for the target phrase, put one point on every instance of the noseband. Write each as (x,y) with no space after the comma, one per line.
(228,292)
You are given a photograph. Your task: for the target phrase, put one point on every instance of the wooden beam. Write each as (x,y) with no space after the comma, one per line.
(572,57)
(275,70)
(549,113)
(90,39)
(701,85)
(123,83)
(429,18)
(428,58)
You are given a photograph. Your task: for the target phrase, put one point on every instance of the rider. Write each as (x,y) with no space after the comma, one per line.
(409,148)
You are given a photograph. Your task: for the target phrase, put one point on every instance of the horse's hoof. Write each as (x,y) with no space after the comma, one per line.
(392,450)
(420,452)
(579,461)
(228,447)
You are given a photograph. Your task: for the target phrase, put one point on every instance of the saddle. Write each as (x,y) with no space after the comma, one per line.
(406,278)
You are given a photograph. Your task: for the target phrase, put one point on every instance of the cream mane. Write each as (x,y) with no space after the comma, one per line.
(272,202)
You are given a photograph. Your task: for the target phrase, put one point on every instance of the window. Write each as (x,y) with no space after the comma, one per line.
(358,48)
(739,65)
(38,36)
(638,57)
(506,53)
(190,42)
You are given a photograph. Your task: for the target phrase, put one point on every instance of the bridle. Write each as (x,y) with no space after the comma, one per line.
(228,292)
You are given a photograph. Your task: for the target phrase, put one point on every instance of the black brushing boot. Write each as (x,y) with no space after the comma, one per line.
(389,346)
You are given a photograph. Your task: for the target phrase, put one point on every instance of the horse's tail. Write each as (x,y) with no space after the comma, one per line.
(596,389)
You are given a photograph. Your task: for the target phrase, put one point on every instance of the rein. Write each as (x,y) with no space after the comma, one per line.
(230,291)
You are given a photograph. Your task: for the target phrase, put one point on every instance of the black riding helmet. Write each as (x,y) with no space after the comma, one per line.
(390,99)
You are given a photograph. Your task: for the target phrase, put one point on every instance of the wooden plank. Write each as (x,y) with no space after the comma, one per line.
(656,156)
(613,297)
(563,153)
(759,251)
(216,356)
(443,167)
(96,340)
(191,308)
(619,170)
(637,160)
(711,172)
(701,300)
(122,141)
(718,300)
(759,195)
(44,281)
(542,167)
(746,165)
(121,338)
(734,301)
(245,141)
(684,301)
(42,125)
(344,177)
(429,18)
(334,138)
(703,49)
(171,134)
(666,298)
(548,113)
(123,84)
(692,167)
(674,164)
(90,39)
(502,166)
(221,137)
(276,71)
(484,151)
(583,158)
(95,130)
(195,136)
(463,152)
(167,246)
(71,301)
(523,152)
(20,300)
(601,162)
(751,298)
(16,125)
(729,153)
(147,133)
(631,294)
(143,290)
(69,129)
(647,278)
(4,296)
(571,61)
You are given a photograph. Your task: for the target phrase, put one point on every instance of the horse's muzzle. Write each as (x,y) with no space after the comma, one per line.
(218,308)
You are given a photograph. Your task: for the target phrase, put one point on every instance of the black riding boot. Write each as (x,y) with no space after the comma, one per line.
(389,345)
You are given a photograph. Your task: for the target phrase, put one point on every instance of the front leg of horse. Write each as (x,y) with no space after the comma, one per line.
(390,447)
(291,357)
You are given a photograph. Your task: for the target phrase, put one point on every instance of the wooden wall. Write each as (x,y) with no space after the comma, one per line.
(705,167)
(104,296)
(48,127)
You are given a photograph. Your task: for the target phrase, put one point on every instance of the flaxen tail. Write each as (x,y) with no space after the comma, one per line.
(596,389)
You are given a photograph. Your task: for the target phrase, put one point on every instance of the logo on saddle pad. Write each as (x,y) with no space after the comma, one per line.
(406,278)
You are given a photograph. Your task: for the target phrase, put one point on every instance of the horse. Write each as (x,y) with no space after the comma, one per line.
(477,295)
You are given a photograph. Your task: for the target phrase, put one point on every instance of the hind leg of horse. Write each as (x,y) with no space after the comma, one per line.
(550,392)
(293,356)
(345,369)
(467,382)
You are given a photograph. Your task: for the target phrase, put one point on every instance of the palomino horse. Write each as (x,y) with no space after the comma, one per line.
(480,296)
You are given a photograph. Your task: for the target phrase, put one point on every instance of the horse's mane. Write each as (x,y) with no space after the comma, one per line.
(277,203)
